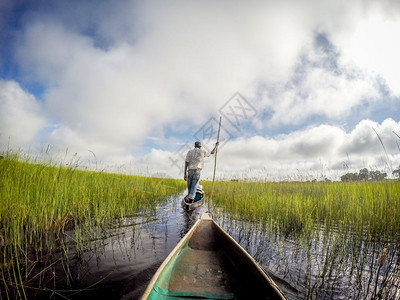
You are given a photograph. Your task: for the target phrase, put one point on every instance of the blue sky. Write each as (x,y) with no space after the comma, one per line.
(300,85)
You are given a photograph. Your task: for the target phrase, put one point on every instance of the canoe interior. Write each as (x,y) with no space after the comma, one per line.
(209,266)
(199,195)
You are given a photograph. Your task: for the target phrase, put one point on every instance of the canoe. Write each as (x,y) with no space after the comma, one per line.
(198,201)
(208,263)
(194,205)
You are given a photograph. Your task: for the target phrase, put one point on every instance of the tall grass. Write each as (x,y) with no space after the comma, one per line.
(323,235)
(39,202)
(370,207)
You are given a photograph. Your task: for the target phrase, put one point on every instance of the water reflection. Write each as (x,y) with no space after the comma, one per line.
(118,263)
(330,264)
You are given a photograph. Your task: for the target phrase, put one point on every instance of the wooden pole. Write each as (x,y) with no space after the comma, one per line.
(215,163)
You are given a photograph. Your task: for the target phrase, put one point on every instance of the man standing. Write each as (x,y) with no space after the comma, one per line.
(193,165)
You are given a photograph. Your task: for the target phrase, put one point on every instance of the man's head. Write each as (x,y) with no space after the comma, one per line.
(197,144)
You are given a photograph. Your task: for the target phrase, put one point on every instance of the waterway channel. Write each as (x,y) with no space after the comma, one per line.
(119,262)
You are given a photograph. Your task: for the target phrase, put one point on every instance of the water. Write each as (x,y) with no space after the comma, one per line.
(330,265)
(120,261)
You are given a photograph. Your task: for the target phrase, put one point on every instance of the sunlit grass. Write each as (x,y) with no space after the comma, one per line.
(39,202)
(370,207)
(324,235)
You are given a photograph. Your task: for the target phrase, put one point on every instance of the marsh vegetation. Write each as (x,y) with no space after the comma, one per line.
(326,240)
(40,203)
(60,226)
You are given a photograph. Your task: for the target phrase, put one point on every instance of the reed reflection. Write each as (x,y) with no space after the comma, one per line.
(327,264)
(120,257)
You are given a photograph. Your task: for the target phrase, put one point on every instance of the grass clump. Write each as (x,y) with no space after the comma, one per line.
(290,207)
(38,203)
(319,236)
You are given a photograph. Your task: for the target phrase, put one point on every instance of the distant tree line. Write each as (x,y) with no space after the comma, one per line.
(364,175)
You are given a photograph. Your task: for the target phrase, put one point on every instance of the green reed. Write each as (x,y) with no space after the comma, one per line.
(369,207)
(324,235)
(39,202)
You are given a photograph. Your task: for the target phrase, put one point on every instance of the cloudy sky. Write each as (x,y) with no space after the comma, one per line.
(305,89)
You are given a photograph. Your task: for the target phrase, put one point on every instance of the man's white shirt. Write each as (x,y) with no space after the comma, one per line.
(195,158)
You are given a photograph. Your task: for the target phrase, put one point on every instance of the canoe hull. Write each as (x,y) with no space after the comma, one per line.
(194,205)
(198,201)
(208,263)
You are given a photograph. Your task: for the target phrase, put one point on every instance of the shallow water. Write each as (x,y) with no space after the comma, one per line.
(119,262)
(330,265)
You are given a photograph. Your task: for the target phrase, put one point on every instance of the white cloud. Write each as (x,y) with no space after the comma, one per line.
(117,73)
(21,116)
(370,139)
(369,41)
(321,93)
(106,96)
(316,152)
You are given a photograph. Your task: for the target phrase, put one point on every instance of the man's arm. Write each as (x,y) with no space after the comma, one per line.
(186,166)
